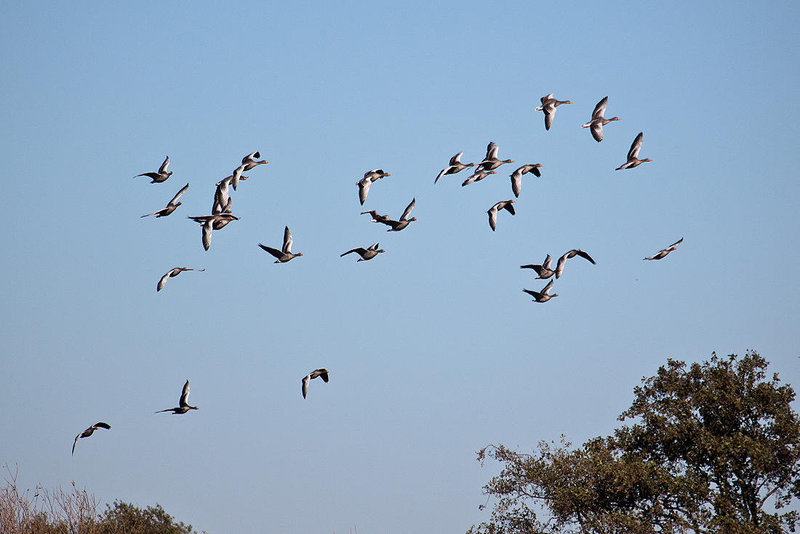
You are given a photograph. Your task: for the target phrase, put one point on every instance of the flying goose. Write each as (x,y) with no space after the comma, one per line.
(183,403)
(491,162)
(88,432)
(376,217)
(507,205)
(664,251)
(404,221)
(549,105)
(365,253)
(285,254)
(598,120)
(571,254)
(212,222)
(364,183)
(543,271)
(543,295)
(454,167)
(633,154)
(160,176)
(250,161)
(516,176)
(175,271)
(323,373)
(172,205)
(477,176)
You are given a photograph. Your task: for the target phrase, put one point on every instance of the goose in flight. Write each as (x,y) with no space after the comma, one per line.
(365,253)
(543,271)
(507,205)
(598,120)
(477,176)
(376,217)
(549,105)
(633,154)
(172,205)
(516,176)
(159,176)
(212,222)
(404,221)
(183,403)
(175,271)
(88,432)
(364,183)
(251,160)
(285,254)
(322,373)
(571,254)
(491,162)
(664,251)
(454,167)
(543,295)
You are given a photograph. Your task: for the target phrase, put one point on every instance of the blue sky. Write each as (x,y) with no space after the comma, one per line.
(434,350)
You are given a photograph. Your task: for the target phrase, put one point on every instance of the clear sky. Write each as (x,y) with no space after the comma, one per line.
(433,348)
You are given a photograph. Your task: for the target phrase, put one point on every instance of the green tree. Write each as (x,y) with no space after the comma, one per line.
(709,448)
(125,518)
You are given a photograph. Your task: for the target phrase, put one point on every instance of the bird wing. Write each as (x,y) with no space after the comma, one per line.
(491,151)
(363,189)
(163,281)
(509,207)
(548,286)
(287,240)
(323,374)
(374,246)
(208,229)
(101,424)
(163,168)
(493,219)
(441,173)
(597,131)
(154,213)
(547,261)
(600,108)
(456,159)
(250,157)
(560,265)
(179,194)
(678,242)
(536,172)
(75,442)
(516,182)
(358,250)
(274,251)
(549,113)
(184,395)
(583,255)
(306,380)
(633,153)
(534,294)
(408,209)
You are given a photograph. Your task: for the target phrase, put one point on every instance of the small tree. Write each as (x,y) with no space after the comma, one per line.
(712,448)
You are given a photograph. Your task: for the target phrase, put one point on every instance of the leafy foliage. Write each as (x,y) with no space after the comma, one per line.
(708,448)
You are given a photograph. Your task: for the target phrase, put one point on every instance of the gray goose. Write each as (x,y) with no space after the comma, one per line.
(633,154)
(507,205)
(491,162)
(322,373)
(571,254)
(454,167)
(175,271)
(376,217)
(183,403)
(88,432)
(159,176)
(365,253)
(172,205)
(251,160)
(477,176)
(212,222)
(543,271)
(598,120)
(664,251)
(549,105)
(364,183)
(543,295)
(404,221)
(285,254)
(516,176)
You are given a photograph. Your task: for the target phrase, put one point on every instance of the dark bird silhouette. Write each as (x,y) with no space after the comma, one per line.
(285,254)
(172,205)
(365,253)
(543,295)
(88,432)
(598,120)
(159,176)
(322,373)
(549,105)
(454,167)
(633,154)
(175,271)
(664,251)
(183,403)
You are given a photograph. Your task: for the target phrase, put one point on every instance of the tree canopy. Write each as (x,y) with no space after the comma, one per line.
(711,447)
